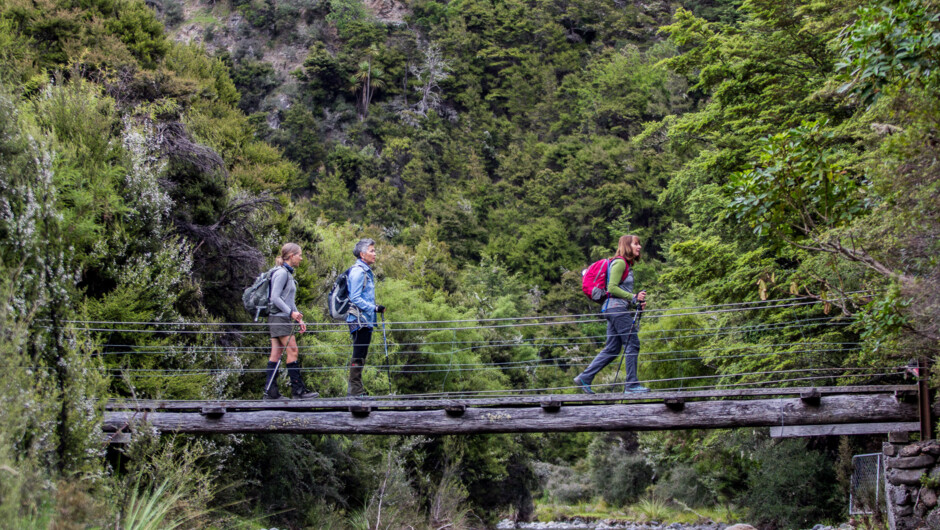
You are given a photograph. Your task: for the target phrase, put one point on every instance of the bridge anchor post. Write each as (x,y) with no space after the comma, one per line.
(923,399)
(811,398)
(675,404)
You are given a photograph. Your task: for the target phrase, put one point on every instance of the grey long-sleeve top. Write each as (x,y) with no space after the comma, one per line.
(283,292)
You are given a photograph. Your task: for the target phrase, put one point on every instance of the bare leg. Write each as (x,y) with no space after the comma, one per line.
(292,350)
(278,347)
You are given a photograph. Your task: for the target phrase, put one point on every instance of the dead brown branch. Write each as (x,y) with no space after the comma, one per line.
(176,144)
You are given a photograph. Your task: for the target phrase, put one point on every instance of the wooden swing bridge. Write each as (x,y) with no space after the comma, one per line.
(793,411)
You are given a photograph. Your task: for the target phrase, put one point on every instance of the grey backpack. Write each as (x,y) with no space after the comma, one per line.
(256,298)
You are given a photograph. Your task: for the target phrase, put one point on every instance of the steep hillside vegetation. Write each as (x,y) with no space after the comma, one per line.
(154,157)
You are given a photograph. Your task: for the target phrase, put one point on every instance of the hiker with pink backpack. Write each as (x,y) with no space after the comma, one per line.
(610,282)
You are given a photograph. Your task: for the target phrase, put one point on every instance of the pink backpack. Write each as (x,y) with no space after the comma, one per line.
(594,279)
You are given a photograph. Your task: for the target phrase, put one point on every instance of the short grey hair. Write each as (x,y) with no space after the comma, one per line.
(362,246)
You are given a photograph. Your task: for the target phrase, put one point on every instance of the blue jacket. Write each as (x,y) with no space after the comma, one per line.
(361,281)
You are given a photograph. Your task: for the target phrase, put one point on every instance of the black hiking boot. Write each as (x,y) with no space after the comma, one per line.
(298,388)
(304,393)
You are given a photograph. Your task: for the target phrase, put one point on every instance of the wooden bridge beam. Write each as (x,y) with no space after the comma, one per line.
(832,409)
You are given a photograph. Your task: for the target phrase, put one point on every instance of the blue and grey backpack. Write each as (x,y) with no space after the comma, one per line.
(337,302)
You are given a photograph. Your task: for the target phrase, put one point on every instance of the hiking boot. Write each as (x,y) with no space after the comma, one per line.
(586,388)
(635,388)
(271,394)
(303,393)
(360,395)
(356,389)
(298,388)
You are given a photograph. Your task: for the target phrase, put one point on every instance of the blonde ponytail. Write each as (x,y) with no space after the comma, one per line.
(288,250)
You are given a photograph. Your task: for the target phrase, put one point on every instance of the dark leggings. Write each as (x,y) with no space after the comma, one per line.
(361,339)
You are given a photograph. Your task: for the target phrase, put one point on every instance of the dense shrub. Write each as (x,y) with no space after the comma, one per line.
(258,13)
(562,483)
(559,128)
(618,475)
(684,484)
(792,486)
(173,13)
(254,80)
(546,237)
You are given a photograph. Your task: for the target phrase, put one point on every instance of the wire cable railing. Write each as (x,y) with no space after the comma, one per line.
(401,325)
(552,341)
(703,349)
(770,302)
(484,366)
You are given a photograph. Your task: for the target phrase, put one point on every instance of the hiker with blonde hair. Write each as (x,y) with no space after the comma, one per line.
(282,320)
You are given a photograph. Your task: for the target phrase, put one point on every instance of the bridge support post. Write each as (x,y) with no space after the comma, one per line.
(923,399)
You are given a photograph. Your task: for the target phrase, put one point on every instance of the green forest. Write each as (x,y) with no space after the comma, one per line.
(154,157)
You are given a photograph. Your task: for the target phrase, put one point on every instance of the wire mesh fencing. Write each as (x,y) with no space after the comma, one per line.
(866,489)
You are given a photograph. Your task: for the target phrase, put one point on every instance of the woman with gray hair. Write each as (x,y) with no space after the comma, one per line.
(283,314)
(362,309)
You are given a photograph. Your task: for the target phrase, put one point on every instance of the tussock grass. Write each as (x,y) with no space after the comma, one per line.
(653,509)
(156,509)
(646,509)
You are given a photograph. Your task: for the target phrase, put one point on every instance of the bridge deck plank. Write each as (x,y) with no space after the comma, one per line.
(531,400)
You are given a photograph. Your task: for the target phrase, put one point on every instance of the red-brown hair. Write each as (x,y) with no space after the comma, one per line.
(625,250)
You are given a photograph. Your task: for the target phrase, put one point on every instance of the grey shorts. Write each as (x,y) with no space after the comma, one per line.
(280,326)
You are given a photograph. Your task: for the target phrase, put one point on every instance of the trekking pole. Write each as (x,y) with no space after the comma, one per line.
(388,367)
(616,375)
(636,317)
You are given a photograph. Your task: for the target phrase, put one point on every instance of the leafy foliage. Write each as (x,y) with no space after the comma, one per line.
(797,187)
(787,481)
(891,45)
(760,149)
